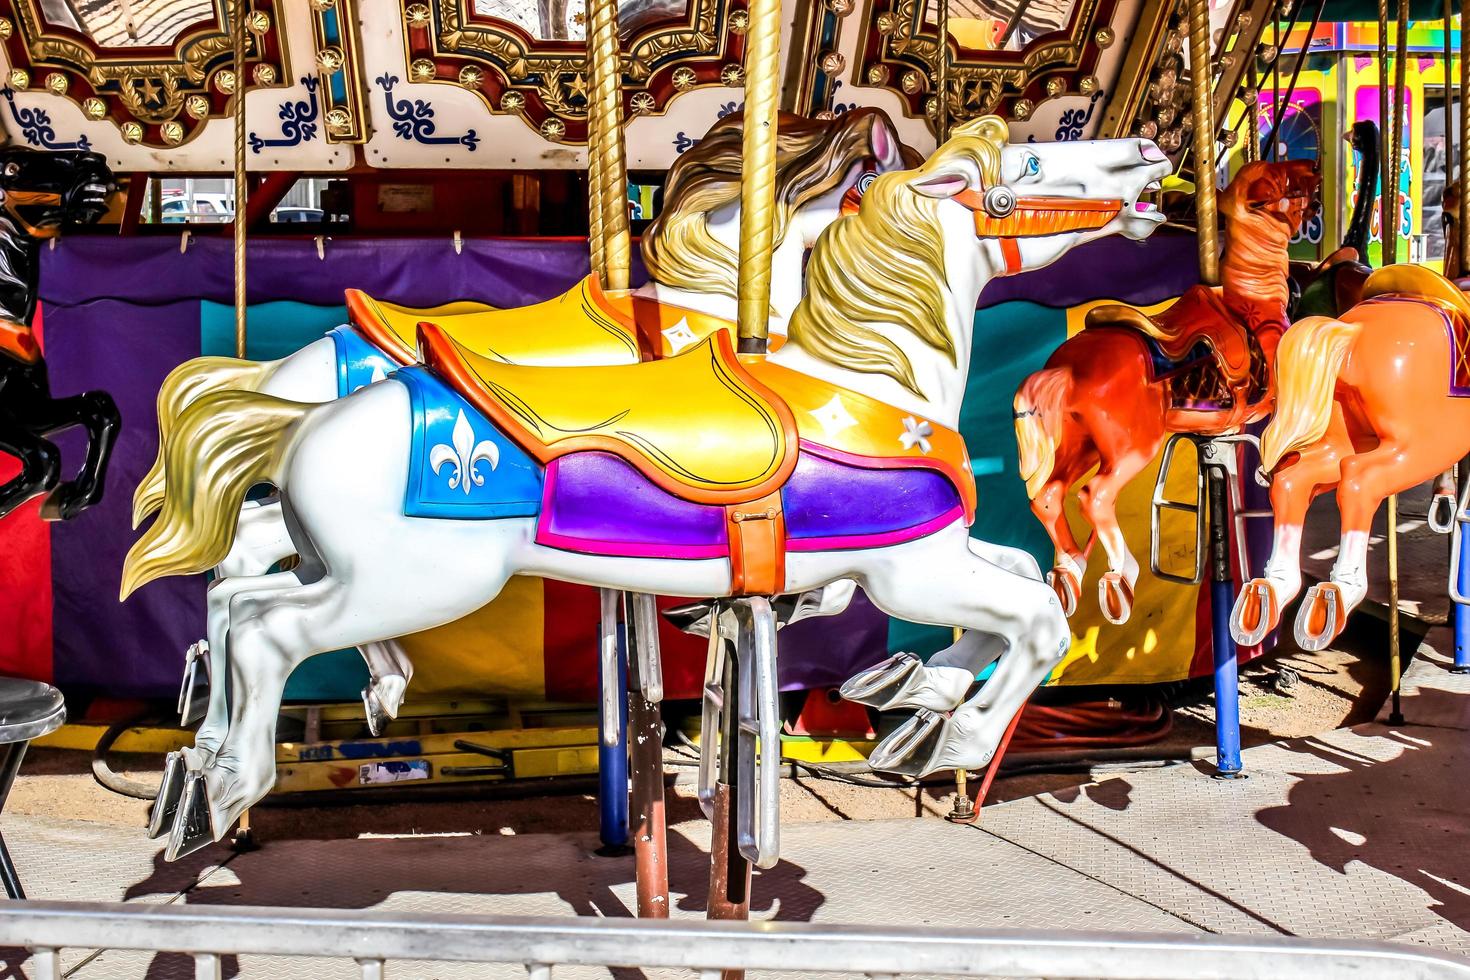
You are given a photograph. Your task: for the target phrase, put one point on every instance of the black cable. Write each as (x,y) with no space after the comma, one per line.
(103,773)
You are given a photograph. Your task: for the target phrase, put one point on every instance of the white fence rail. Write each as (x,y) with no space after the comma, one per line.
(541,944)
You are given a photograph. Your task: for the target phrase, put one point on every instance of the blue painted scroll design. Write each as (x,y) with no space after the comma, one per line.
(298,120)
(683,142)
(413,119)
(35,126)
(1074,121)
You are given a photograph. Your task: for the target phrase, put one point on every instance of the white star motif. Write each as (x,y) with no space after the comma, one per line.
(916,433)
(833,417)
(679,336)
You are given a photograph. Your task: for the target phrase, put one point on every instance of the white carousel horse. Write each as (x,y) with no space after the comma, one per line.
(690,250)
(851,420)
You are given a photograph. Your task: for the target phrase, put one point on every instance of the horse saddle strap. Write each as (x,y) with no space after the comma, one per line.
(698,425)
(757,546)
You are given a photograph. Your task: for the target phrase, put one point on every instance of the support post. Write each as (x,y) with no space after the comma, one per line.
(612,755)
(239,33)
(1463,226)
(1222,597)
(1387,199)
(1462,613)
(645,750)
(1395,662)
(758,176)
(1207,232)
(729,872)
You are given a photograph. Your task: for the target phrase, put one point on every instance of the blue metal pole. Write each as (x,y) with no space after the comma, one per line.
(1462,613)
(612,766)
(1222,644)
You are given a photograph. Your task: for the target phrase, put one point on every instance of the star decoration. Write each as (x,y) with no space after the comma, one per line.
(833,417)
(577,86)
(916,433)
(149,89)
(679,336)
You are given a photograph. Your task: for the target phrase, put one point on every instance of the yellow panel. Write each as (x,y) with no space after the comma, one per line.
(1157,643)
(363,748)
(147,740)
(498,650)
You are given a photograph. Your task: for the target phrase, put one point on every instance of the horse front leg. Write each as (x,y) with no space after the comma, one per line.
(40,464)
(96,412)
(1099,500)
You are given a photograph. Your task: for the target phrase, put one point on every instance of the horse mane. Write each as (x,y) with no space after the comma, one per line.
(1255,266)
(884,267)
(812,156)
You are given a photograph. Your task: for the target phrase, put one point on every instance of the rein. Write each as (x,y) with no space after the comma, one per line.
(1001,215)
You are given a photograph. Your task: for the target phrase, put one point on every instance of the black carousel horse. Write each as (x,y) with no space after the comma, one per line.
(39,193)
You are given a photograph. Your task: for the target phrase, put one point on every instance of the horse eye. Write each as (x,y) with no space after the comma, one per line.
(1033,166)
(12,169)
(866,181)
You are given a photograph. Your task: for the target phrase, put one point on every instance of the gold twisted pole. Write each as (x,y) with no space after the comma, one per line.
(594,174)
(612,165)
(758,174)
(1204,142)
(941,75)
(242,190)
(1385,134)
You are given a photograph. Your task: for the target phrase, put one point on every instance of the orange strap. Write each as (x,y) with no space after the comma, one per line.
(757,532)
(1036,216)
(18,340)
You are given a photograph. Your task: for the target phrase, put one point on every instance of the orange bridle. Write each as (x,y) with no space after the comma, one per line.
(1001,215)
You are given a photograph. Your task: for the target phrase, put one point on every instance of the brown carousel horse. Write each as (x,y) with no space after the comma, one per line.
(1109,396)
(39,192)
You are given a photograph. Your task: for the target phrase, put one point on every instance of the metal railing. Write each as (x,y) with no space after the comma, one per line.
(540,944)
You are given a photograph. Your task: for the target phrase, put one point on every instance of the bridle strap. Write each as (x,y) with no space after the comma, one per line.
(1032,217)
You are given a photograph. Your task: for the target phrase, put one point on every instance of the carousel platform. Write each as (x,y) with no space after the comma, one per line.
(1356,833)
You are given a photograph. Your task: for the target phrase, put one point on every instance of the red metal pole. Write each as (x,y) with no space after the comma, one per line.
(650,833)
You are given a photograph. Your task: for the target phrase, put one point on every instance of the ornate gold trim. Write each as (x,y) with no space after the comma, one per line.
(152,90)
(541,80)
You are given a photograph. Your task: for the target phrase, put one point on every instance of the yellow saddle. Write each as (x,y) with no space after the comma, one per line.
(574,328)
(697,424)
(1416,280)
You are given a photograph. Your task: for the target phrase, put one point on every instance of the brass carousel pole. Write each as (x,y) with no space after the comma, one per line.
(1449,111)
(612,164)
(941,75)
(241,10)
(1401,58)
(594,175)
(1386,196)
(758,179)
(1204,142)
(1463,225)
(608,178)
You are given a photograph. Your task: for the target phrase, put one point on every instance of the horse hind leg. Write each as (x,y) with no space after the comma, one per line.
(1049,506)
(940,580)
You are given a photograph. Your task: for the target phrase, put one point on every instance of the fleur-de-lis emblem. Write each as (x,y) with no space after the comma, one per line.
(463,456)
(916,433)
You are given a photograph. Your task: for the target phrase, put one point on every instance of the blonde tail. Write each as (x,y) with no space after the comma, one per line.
(1308,362)
(223,444)
(1039,405)
(184,385)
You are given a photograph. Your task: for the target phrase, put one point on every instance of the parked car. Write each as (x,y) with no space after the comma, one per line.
(297,215)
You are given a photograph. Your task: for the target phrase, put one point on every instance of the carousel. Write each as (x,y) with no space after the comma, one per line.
(489,487)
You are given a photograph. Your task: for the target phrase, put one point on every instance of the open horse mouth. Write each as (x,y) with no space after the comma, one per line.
(1146,209)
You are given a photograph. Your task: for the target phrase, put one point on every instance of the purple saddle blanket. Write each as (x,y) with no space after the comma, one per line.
(595,503)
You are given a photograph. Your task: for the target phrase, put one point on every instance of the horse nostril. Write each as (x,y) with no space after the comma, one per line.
(1151,152)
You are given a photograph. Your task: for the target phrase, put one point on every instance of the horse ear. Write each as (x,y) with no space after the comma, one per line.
(942,183)
(883,140)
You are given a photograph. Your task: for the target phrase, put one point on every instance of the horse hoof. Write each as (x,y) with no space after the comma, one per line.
(882,686)
(192,828)
(166,804)
(908,750)
(1115,596)
(1255,614)
(52,508)
(1441,515)
(194,688)
(1067,588)
(377,714)
(1321,617)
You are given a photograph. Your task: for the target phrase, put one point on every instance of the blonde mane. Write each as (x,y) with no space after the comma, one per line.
(812,156)
(885,266)
(1255,266)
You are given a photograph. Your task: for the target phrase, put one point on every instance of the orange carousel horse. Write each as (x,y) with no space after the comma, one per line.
(1370,404)
(1109,396)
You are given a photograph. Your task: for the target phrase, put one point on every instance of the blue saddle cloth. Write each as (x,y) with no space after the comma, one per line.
(459,465)
(359,362)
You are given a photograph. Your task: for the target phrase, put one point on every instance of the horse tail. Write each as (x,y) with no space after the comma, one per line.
(1039,405)
(223,444)
(184,385)
(1308,361)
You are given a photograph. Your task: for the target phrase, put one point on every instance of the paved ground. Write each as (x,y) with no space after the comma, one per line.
(1357,833)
